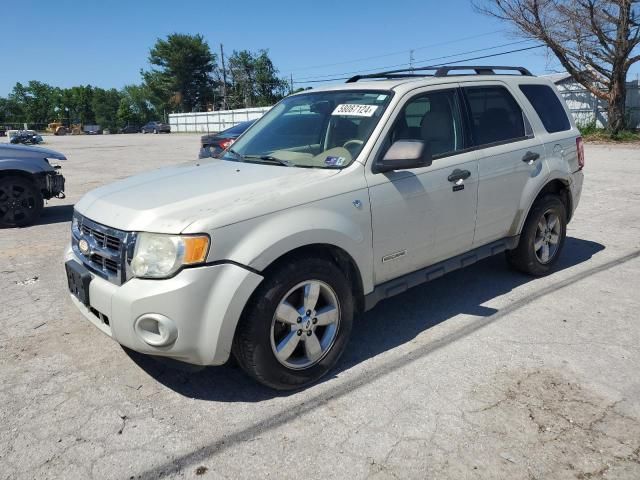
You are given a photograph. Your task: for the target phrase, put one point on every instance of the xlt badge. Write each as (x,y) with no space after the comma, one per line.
(394,256)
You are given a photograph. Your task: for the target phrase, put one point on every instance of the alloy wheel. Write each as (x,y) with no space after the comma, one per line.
(305,325)
(547,239)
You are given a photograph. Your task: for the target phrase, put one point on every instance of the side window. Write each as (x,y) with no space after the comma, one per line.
(548,107)
(496,117)
(433,117)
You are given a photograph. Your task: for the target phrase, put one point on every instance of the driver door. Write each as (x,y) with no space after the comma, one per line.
(425,215)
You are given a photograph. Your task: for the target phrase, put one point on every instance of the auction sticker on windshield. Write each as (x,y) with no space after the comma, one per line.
(355,110)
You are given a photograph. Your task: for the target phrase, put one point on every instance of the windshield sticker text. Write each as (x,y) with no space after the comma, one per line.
(334,161)
(355,110)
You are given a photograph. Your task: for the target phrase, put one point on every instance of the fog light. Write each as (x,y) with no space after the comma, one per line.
(156,330)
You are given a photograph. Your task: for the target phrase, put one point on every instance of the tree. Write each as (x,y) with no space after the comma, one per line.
(79,102)
(105,104)
(10,110)
(135,106)
(594,40)
(37,101)
(184,77)
(254,80)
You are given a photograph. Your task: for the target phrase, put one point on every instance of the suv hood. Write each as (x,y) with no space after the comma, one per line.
(221,192)
(23,151)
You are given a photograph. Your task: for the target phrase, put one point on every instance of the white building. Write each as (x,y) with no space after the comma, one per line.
(586,108)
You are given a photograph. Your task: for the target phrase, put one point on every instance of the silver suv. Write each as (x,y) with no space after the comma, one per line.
(335,199)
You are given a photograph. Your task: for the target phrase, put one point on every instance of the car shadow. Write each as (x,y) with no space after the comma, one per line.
(391,323)
(55,214)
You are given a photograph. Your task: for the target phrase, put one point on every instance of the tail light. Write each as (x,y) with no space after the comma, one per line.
(226,143)
(580,148)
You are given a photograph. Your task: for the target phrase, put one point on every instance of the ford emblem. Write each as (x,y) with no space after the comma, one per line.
(84,247)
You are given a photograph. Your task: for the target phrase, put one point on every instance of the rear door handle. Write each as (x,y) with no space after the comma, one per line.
(458,174)
(530,157)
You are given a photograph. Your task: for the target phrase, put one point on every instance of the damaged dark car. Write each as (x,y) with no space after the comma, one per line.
(28,177)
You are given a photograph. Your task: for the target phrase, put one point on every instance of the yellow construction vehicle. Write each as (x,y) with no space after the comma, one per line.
(57,128)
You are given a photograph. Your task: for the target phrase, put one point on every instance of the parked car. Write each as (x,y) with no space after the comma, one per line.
(156,127)
(27,178)
(25,137)
(93,130)
(129,129)
(213,145)
(334,200)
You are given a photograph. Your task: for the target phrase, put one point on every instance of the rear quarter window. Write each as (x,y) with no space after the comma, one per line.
(548,107)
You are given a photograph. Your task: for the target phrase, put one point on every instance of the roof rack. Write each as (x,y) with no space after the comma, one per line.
(442,71)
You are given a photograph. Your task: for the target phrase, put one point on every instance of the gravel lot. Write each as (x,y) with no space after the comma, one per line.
(484,373)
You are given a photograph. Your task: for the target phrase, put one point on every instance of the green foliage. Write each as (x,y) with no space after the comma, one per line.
(135,106)
(105,104)
(587,128)
(184,75)
(37,101)
(592,133)
(254,80)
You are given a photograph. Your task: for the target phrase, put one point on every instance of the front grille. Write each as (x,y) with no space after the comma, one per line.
(110,249)
(107,263)
(105,241)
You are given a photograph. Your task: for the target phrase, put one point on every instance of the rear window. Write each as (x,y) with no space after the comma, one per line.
(548,107)
(495,115)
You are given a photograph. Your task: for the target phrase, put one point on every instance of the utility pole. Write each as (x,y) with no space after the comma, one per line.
(411,59)
(224,80)
(291,83)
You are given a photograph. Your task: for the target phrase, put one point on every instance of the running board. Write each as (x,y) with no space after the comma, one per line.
(413,279)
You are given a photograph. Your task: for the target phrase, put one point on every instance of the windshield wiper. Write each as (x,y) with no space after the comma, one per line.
(271,159)
(237,154)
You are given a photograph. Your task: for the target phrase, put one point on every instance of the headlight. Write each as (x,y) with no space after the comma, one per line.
(160,256)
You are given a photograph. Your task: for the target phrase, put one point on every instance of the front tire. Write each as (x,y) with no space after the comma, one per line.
(542,237)
(297,324)
(20,202)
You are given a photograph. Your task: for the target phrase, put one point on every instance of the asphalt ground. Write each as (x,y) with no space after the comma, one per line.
(484,373)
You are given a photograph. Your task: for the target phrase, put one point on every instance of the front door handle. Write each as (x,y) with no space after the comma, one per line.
(530,157)
(458,174)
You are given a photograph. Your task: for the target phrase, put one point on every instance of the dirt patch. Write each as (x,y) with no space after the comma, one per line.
(543,425)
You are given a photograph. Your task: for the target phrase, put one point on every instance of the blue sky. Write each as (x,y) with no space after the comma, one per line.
(106,43)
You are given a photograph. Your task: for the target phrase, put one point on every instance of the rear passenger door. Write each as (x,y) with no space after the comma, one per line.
(509,157)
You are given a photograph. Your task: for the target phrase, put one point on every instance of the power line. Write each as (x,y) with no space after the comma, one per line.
(386,67)
(448,63)
(439,44)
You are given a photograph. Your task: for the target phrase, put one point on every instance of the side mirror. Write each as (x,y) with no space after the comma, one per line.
(404,155)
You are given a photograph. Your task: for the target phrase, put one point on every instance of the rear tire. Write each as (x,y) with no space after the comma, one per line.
(20,202)
(297,324)
(542,237)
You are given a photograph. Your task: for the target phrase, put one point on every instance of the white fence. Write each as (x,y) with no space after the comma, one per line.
(587,109)
(211,122)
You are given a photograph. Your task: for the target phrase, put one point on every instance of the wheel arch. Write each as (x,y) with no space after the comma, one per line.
(16,173)
(558,186)
(337,255)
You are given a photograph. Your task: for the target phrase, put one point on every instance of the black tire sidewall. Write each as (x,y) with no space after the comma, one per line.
(252,345)
(526,258)
(39,201)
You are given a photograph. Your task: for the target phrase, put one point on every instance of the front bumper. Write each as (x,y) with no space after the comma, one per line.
(52,184)
(203,303)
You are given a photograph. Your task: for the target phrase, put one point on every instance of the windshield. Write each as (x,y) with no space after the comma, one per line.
(320,129)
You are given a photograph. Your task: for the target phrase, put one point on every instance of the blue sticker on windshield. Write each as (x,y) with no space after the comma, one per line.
(334,161)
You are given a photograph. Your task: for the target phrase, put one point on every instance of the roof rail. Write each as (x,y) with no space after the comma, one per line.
(442,71)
